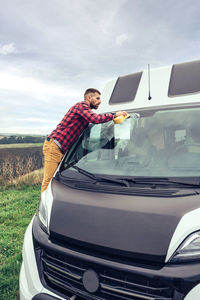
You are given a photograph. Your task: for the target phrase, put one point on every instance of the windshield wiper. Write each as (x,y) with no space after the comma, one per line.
(163,180)
(99,178)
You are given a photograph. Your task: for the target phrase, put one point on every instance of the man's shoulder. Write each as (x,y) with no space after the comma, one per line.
(81,104)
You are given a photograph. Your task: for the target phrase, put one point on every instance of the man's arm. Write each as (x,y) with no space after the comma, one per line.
(91,117)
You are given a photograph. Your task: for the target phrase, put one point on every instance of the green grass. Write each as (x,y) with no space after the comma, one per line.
(17,206)
(25,145)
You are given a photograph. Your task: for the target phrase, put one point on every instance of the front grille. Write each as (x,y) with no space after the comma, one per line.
(64,274)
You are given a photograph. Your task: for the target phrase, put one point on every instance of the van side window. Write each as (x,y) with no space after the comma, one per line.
(125,88)
(184,79)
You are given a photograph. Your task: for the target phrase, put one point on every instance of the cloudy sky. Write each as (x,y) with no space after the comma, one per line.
(52,50)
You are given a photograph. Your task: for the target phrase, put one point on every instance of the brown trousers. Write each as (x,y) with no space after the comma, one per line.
(52,158)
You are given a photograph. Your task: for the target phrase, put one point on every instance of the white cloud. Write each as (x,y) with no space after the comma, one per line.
(35,86)
(22,130)
(120,39)
(58,59)
(36,120)
(8,49)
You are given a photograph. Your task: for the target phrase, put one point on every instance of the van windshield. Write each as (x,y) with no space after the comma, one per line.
(160,143)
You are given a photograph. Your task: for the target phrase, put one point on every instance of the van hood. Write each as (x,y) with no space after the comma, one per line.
(139,227)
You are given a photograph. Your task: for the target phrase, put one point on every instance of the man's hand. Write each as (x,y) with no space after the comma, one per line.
(120,116)
(121,113)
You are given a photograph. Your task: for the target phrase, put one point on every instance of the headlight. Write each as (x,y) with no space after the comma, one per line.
(43,212)
(189,250)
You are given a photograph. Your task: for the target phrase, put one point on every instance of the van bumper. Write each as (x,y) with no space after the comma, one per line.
(185,279)
(30,285)
(43,296)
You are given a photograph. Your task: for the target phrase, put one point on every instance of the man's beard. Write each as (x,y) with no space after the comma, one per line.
(93,106)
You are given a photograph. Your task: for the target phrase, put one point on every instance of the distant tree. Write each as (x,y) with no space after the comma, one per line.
(4,140)
(12,139)
(21,139)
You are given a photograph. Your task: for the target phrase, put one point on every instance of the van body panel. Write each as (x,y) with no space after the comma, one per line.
(159,86)
(181,278)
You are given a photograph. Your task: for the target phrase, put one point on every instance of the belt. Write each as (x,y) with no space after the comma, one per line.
(56,142)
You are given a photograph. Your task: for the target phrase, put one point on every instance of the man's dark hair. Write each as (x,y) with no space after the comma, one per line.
(91,90)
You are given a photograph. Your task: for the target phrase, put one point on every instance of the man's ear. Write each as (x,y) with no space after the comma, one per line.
(89,96)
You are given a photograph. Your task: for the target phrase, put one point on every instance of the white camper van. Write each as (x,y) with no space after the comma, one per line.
(121,217)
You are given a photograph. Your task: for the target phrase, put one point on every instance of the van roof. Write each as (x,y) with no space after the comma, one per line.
(174,84)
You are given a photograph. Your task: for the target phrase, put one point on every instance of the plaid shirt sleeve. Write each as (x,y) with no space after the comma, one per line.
(85,112)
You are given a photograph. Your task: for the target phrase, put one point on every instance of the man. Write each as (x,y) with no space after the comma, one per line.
(69,129)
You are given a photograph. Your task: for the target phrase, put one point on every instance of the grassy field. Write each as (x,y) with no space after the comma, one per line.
(3,146)
(17,206)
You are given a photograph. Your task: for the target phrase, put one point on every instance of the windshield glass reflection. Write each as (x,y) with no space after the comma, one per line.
(163,143)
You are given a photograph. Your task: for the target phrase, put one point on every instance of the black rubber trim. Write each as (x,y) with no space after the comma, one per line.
(45,297)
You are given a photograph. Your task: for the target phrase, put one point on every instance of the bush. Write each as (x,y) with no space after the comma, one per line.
(15,162)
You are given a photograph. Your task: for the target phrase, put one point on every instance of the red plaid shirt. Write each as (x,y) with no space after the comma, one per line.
(74,122)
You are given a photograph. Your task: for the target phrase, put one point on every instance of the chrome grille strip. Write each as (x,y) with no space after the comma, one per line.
(147,287)
(126,297)
(63,262)
(61,277)
(59,269)
(69,287)
(58,282)
(129,293)
(117,296)
(69,276)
